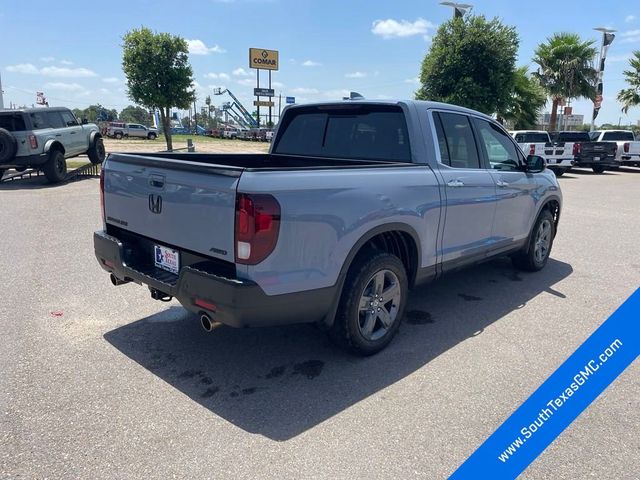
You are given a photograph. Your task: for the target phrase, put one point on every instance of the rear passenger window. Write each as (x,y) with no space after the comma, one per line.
(55,120)
(39,120)
(69,119)
(460,142)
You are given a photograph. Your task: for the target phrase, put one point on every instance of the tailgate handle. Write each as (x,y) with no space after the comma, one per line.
(156,181)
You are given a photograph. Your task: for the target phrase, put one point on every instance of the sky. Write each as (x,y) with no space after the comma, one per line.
(72,51)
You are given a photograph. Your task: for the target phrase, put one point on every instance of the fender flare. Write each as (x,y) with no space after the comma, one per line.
(93,136)
(53,143)
(357,247)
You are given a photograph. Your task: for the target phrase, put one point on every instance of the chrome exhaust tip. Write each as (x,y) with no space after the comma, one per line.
(116,281)
(208,323)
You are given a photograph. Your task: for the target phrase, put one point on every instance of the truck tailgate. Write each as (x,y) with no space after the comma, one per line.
(179,204)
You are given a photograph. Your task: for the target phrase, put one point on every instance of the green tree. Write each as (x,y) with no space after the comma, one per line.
(527,98)
(566,69)
(135,114)
(158,73)
(630,97)
(470,63)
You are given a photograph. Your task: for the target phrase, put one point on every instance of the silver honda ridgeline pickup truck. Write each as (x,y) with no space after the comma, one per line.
(356,203)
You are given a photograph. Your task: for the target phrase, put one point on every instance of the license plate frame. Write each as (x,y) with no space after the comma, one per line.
(166,258)
(596,159)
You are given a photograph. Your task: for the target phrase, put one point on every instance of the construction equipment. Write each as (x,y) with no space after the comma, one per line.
(249,121)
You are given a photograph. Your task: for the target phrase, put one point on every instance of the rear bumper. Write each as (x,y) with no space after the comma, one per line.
(25,161)
(608,161)
(564,163)
(633,160)
(236,302)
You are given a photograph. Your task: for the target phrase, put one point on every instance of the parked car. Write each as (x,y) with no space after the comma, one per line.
(119,130)
(598,156)
(334,225)
(44,138)
(628,148)
(559,157)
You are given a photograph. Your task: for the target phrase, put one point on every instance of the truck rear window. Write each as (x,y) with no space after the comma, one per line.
(532,137)
(14,122)
(369,132)
(572,137)
(618,137)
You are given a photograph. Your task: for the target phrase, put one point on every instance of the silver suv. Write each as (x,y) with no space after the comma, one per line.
(119,130)
(44,138)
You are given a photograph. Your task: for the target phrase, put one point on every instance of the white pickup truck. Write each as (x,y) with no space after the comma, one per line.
(628,148)
(559,156)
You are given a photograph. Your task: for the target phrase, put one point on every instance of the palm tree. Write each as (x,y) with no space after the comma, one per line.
(630,97)
(527,99)
(566,69)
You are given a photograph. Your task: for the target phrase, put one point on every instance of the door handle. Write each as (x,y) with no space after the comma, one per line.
(72,133)
(455,183)
(58,134)
(502,184)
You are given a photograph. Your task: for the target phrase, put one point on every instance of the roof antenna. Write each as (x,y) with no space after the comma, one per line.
(353,96)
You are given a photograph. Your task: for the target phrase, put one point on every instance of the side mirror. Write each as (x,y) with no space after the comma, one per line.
(85,121)
(535,164)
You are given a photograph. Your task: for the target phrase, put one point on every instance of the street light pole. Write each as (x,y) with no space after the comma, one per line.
(459,9)
(1,95)
(607,39)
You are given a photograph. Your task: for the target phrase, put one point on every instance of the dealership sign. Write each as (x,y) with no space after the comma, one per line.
(263,59)
(261,103)
(263,92)
(291,99)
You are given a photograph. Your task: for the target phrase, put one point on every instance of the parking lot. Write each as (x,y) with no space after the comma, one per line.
(101,381)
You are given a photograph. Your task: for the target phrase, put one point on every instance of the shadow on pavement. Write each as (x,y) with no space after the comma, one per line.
(281,381)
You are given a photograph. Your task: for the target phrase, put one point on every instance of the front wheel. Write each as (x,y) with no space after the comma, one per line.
(118,135)
(535,257)
(372,304)
(152,136)
(559,171)
(97,152)
(56,167)
(598,169)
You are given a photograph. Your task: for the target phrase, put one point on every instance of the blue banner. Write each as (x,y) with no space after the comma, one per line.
(560,399)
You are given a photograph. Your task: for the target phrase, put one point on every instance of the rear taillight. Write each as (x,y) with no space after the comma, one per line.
(33,141)
(257,226)
(577,148)
(102,194)
(532,149)
(626,147)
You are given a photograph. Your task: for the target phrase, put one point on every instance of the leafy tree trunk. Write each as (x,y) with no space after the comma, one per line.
(166,126)
(554,115)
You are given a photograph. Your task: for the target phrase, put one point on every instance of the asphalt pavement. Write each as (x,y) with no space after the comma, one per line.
(104,382)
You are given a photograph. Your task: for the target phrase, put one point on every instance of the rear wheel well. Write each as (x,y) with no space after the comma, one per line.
(398,243)
(56,146)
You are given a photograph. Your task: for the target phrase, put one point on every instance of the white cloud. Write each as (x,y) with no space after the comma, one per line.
(67,87)
(30,69)
(221,76)
(277,84)
(67,72)
(198,47)
(629,18)
(391,28)
(631,36)
(66,62)
(305,91)
(414,80)
(310,63)
(105,91)
(356,75)
(27,68)
(246,82)
(336,94)
(618,58)
(111,80)
(47,59)
(240,72)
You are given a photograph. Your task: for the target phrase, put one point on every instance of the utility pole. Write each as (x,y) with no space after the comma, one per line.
(1,93)
(607,39)
(459,9)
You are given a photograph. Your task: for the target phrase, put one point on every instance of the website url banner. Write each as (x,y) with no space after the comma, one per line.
(560,399)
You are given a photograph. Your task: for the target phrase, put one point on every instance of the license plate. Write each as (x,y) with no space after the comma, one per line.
(596,159)
(166,258)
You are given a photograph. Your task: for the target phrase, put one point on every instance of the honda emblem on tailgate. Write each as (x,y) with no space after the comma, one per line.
(155,203)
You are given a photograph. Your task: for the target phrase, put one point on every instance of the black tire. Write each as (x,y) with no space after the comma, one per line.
(614,168)
(532,259)
(598,169)
(8,145)
(350,325)
(152,136)
(56,167)
(559,171)
(96,152)
(118,135)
